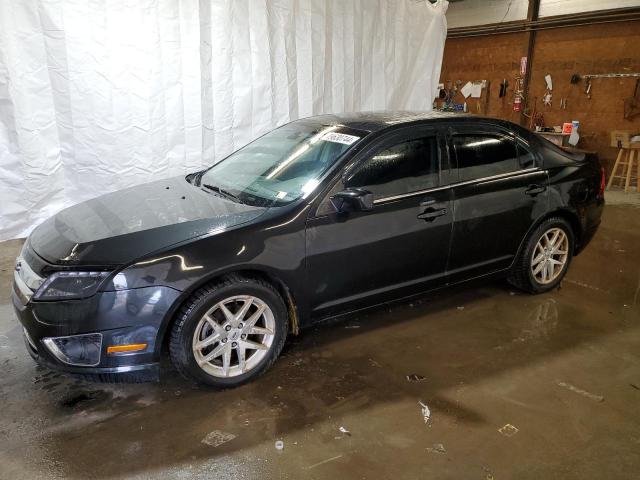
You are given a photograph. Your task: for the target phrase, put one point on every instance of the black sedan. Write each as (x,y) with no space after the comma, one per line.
(322,216)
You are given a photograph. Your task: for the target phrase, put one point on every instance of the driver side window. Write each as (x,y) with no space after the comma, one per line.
(408,166)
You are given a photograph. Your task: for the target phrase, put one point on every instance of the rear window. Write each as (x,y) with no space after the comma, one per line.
(484,155)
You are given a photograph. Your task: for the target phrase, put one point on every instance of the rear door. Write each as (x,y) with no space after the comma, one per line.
(500,192)
(398,248)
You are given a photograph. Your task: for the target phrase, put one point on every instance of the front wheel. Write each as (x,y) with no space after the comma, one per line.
(545,257)
(229,332)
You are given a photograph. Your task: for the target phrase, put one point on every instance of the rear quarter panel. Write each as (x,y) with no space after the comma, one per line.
(575,188)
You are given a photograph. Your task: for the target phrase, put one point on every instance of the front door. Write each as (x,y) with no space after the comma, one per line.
(400,247)
(500,193)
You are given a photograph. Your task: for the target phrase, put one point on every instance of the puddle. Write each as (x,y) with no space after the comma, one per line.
(82,399)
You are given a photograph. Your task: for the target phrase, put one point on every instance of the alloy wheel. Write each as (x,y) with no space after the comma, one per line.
(550,256)
(233,336)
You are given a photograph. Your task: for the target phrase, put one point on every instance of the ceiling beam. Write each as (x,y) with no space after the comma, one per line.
(546,23)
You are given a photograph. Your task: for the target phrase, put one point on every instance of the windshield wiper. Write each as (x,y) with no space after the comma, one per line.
(222,192)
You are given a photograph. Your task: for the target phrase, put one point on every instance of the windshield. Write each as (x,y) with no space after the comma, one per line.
(281,166)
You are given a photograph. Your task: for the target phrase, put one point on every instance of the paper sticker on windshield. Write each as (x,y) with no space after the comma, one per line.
(340,138)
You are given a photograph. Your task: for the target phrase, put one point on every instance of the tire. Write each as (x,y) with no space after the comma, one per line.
(192,329)
(522,273)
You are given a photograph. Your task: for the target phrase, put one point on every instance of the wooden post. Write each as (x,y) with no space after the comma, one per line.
(532,15)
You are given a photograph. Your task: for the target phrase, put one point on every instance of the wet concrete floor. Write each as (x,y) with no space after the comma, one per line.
(516,386)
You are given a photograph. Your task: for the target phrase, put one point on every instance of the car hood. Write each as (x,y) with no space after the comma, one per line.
(120,227)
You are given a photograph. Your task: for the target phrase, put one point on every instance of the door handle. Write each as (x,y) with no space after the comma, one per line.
(430,214)
(534,190)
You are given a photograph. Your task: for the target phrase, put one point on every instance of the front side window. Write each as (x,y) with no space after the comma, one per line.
(281,166)
(484,155)
(405,167)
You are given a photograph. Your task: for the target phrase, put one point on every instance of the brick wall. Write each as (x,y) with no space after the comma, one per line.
(605,48)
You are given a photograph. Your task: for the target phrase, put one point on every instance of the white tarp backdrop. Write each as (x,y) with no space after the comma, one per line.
(98,95)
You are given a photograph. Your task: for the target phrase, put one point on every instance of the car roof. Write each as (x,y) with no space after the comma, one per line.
(375,121)
(379,120)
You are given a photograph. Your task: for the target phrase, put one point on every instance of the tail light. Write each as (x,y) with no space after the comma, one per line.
(602,182)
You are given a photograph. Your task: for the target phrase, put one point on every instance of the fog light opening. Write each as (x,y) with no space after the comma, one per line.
(132,347)
(78,350)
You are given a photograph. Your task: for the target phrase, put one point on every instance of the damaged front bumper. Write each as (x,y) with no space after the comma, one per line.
(85,336)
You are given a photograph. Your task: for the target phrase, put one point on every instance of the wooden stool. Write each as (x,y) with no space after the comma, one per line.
(625,162)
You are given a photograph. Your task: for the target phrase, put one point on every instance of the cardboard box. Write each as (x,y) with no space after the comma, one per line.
(620,138)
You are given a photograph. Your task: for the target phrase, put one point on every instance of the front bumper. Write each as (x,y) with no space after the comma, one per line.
(123,317)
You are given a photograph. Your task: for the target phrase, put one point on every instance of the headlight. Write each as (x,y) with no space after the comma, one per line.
(70,285)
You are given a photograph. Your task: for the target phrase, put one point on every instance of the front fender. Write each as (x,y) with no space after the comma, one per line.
(274,251)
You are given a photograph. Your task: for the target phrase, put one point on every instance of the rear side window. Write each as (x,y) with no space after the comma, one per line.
(405,167)
(484,155)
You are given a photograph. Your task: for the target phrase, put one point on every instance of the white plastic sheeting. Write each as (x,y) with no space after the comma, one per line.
(97,95)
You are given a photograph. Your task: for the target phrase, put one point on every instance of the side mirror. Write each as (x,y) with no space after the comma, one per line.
(353,199)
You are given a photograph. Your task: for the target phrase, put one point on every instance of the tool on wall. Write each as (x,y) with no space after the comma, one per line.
(548,96)
(576,77)
(518,91)
(503,88)
(482,104)
(487,87)
(587,88)
(612,75)
(471,89)
(448,95)
(518,94)
(632,104)
(452,89)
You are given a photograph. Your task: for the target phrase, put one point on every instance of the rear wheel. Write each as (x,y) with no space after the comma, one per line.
(545,257)
(229,333)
